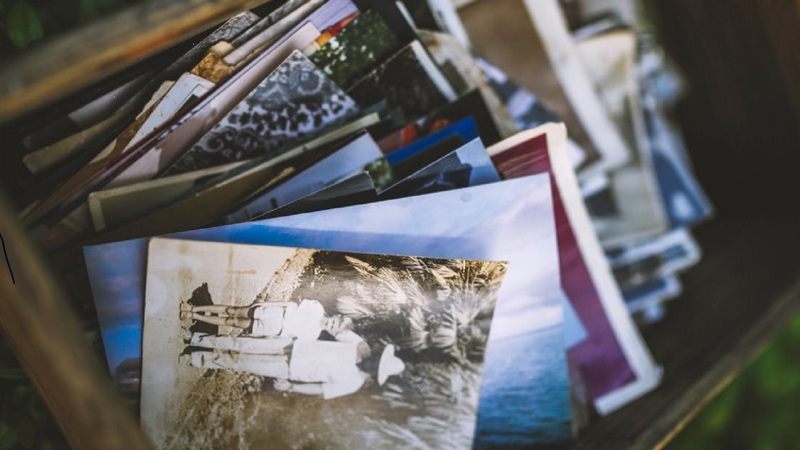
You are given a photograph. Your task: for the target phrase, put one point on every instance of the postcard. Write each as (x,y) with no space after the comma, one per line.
(629,212)
(366,350)
(116,156)
(509,220)
(684,200)
(61,181)
(463,72)
(471,105)
(238,183)
(652,293)
(72,169)
(87,169)
(83,117)
(225,58)
(437,15)
(638,209)
(113,207)
(164,146)
(187,90)
(548,65)
(421,14)
(83,141)
(353,190)
(457,64)
(393,16)
(350,158)
(428,155)
(111,152)
(409,82)
(295,101)
(322,14)
(609,59)
(525,108)
(357,49)
(329,33)
(466,129)
(665,255)
(614,363)
(157,152)
(470,165)
(450,21)
(267,21)
(335,131)
(210,202)
(228,31)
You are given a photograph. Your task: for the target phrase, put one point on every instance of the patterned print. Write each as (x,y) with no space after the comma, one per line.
(295,101)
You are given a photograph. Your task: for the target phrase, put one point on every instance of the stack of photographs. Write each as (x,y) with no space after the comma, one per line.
(597,66)
(343,224)
(639,87)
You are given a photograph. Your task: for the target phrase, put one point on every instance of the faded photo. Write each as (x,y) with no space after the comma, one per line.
(276,347)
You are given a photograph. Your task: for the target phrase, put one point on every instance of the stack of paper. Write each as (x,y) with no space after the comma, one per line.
(337,226)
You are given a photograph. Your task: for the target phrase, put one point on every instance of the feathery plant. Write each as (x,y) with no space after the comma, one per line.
(445,306)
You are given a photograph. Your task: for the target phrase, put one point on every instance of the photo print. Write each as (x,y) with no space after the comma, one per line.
(280,347)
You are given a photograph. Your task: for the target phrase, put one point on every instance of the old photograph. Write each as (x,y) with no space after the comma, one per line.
(278,347)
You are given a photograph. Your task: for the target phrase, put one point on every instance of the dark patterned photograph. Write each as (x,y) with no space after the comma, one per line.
(279,347)
(410,83)
(295,101)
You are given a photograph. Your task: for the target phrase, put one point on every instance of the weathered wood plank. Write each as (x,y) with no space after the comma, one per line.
(45,335)
(743,293)
(82,57)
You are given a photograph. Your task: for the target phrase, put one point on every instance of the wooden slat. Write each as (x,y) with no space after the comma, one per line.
(743,293)
(741,118)
(46,337)
(717,378)
(82,57)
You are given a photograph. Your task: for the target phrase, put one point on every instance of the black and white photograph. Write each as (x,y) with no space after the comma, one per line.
(279,347)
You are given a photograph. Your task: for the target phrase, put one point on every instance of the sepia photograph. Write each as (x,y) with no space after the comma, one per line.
(278,347)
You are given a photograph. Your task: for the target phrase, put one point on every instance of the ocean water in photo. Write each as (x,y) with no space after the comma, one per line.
(524,398)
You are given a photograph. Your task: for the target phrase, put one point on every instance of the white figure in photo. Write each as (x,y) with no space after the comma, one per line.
(282,321)
(312,367)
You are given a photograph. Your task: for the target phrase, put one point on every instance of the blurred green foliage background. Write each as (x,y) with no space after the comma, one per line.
(25,422)
(24,22)
(759,409)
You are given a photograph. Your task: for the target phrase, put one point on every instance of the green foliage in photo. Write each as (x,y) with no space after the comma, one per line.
(358,48)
